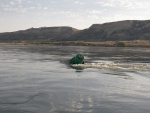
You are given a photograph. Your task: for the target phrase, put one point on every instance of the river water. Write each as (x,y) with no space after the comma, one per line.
(38,79)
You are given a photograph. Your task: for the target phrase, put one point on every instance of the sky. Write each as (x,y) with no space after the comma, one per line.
(24,14)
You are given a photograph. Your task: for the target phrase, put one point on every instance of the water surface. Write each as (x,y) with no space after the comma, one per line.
(38,79)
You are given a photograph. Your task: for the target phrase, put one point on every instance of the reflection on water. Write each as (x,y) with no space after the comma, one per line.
(38,79)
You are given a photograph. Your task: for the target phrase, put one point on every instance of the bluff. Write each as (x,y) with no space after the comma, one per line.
(121,30)
(34,34)
(112,31)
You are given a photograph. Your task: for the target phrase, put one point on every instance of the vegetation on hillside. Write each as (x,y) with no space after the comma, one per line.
(134,43)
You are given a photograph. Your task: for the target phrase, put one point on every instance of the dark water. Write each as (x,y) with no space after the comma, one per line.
(37,79)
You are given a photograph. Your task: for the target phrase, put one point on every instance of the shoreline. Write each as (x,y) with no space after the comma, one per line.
(133,43)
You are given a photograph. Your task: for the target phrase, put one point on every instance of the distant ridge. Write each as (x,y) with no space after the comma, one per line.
(115,31)
(43,33)
(112,31)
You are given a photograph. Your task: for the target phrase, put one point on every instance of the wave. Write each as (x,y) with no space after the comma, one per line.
(140,67)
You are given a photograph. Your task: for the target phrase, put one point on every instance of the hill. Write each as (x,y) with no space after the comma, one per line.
(34,34)
(113,31)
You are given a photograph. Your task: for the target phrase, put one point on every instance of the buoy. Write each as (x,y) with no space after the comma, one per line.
(78,59)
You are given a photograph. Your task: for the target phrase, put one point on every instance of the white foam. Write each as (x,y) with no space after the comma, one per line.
(144,67)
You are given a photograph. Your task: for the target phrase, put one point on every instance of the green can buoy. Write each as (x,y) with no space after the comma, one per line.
(78,59)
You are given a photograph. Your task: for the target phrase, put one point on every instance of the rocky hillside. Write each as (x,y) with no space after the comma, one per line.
(43,33)
(113,31)
(121,30)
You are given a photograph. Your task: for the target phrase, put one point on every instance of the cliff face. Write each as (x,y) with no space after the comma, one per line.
(121,30)
(44,33)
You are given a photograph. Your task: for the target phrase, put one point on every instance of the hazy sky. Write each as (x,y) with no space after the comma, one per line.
(80,14)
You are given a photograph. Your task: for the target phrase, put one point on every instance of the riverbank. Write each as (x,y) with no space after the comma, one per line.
(133,43)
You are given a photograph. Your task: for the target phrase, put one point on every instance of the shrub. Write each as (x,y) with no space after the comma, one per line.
(120,44)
